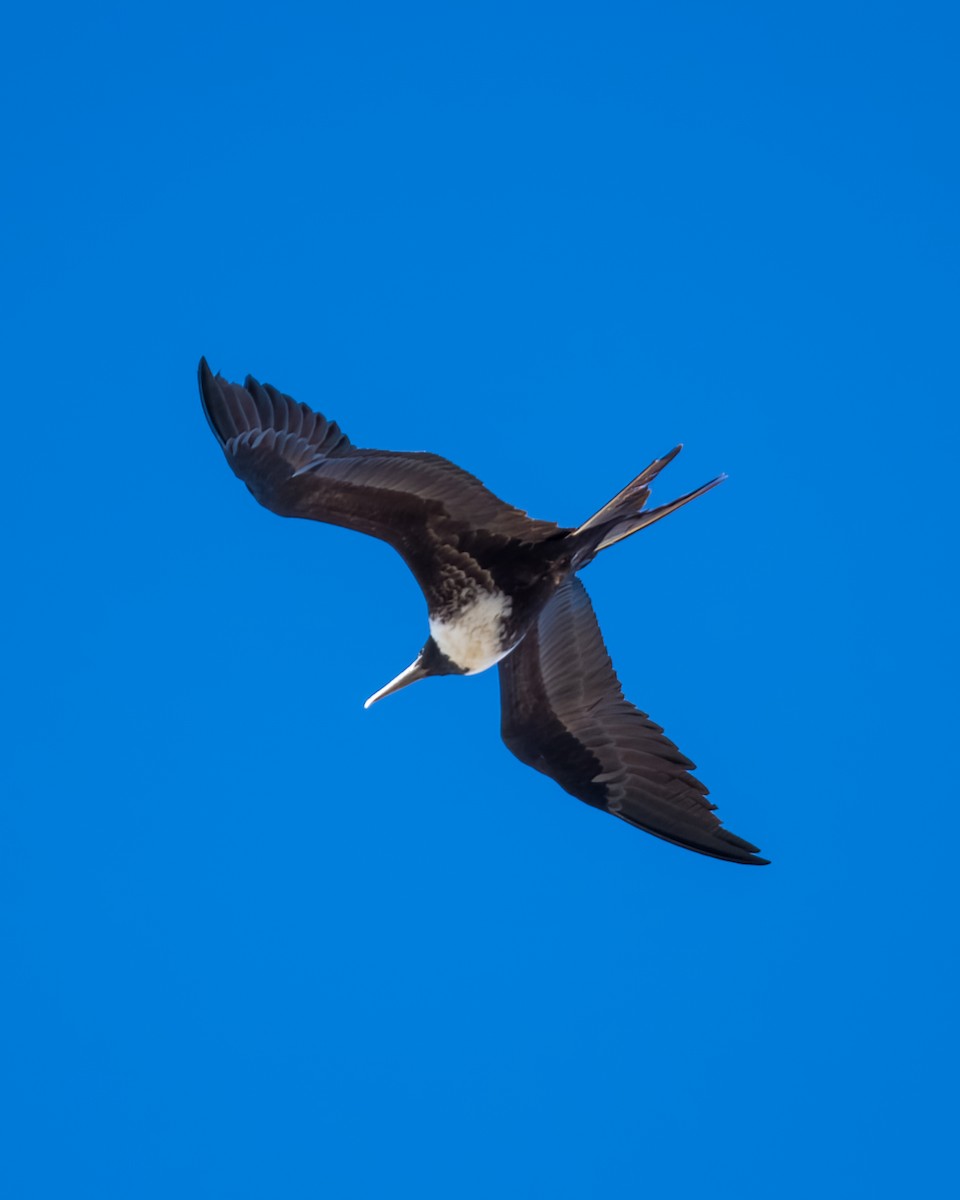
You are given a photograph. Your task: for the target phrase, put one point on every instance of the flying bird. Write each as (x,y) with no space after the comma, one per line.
(501,589)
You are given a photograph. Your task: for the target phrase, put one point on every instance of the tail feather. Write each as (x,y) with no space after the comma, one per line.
(633,497)
(624,514)
(641,520)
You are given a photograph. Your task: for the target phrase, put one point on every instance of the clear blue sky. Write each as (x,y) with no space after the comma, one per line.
(258,942)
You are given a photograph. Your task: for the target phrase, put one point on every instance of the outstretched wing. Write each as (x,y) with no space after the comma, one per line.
(298,464)
(564,714)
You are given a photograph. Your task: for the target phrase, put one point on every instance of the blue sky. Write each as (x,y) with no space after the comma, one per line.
(259,942)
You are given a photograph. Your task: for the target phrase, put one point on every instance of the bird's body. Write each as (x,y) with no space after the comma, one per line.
(501,589)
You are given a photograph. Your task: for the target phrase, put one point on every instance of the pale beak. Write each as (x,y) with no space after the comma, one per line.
(414,672)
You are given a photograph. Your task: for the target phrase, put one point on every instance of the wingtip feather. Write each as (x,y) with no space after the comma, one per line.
(208,397)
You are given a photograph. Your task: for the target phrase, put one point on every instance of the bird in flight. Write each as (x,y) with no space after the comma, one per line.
(501,589)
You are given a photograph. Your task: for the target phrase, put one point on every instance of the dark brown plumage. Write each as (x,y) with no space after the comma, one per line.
(500,588)
(564,714)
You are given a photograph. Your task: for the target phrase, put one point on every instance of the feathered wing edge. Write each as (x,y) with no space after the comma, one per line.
(298,463)
(563,713)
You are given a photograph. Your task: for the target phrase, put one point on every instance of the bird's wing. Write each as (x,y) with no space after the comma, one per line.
(298,464)
(564,714)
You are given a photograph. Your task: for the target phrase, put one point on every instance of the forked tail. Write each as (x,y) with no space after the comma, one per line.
(625,513)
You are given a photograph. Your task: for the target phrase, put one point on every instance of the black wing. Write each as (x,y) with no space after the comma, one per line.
(298,464)
(564,714)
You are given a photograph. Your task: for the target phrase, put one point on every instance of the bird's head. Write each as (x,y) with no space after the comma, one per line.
(430,661)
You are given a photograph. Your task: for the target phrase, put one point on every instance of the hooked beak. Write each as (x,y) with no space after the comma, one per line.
(414,672)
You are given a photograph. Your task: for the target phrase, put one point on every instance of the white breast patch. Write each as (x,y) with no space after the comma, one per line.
(474,638)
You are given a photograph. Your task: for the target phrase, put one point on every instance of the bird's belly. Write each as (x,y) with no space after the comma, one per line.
(475,638)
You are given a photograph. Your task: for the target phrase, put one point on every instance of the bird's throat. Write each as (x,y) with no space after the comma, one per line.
(476,635)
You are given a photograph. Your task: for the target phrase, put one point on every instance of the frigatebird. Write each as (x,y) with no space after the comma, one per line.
(501,588)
